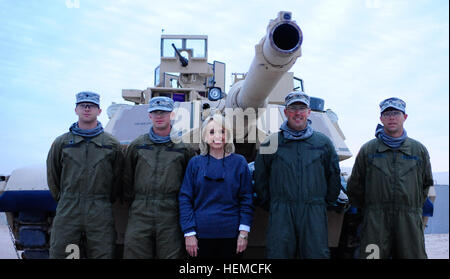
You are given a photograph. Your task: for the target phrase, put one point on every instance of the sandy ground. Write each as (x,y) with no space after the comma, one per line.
(436,245)
(7,250)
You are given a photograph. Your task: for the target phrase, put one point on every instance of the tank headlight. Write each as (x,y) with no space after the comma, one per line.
(214,94)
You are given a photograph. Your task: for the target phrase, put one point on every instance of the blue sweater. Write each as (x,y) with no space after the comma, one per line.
(216,196)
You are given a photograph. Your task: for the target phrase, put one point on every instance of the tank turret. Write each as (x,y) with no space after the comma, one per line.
(198,89)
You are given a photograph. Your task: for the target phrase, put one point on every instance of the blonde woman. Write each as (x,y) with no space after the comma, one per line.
(215,199)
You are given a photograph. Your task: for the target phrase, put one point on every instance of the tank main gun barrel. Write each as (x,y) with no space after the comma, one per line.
(274,55)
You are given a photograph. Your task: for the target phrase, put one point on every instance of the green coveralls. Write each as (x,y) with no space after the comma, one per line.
(297,182)
(84,177)
(152,178)
(391,186)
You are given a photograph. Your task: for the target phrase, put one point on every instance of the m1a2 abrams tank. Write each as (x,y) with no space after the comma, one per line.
(253,105)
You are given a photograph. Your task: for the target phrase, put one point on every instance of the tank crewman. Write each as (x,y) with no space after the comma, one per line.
(84,174)
(390,181)
(154,171)
(297,182)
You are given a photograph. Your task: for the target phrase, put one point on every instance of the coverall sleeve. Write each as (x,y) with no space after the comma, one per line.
(246,196)
(129,166)
(262,178)
(333,175)
(117,191)
(427,174)
(54,168)
(189,153)
(186,201)
(356,181)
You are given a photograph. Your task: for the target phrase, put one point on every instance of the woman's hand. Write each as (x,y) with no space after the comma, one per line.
(242,241)
(191,245)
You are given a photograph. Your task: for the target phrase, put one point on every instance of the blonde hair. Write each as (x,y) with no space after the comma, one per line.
(220,120)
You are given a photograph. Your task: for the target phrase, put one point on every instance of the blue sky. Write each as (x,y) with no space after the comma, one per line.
(355,53)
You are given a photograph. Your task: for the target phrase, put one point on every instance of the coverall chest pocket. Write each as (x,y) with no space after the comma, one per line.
(313,159)
(173,157)
(88,155)
(157,157)
(313,175)
(380,164)
(148,155)
(102,158)
(408,164)
(73,156)
(166,165)
(283,160)
(173,167)
(411,179)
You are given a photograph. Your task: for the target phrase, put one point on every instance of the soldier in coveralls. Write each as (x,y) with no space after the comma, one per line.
(154,171)
(296,183)
(390,182)
(84,175)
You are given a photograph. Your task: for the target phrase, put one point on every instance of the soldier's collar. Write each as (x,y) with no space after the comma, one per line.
(150,142)
(96,140)
(285,140)
(404,148)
